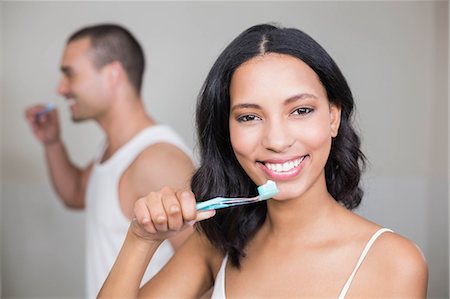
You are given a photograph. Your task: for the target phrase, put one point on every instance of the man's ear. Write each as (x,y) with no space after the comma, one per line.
(335,119)
(114,73)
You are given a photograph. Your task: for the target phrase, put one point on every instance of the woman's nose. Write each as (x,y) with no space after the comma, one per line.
(277,136)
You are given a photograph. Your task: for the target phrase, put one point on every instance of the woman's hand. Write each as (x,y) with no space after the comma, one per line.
(161,215)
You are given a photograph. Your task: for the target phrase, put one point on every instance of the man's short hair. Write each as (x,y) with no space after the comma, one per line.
(111,42)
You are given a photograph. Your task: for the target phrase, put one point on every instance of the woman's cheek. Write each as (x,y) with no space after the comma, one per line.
(243,140)
(316,136)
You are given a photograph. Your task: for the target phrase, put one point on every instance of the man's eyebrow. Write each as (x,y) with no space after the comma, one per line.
(65,69)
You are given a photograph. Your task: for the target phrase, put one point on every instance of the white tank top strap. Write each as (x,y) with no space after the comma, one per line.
(219,284)
(100,152)
(125,155)
(361,259)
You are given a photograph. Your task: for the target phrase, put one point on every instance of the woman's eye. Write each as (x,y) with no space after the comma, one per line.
(302,111)
(246,118)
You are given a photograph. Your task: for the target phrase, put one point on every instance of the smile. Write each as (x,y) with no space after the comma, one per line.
(286,166)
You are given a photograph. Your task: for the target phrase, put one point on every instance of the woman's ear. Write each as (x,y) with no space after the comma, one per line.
(335,119)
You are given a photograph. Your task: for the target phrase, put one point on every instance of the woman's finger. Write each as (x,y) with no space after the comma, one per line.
(173,210)
(187,202)
(203,215)
(142,216)
(157,213)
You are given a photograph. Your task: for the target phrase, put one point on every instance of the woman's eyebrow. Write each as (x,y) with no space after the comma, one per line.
(245,105)
(294,98)
(297,97)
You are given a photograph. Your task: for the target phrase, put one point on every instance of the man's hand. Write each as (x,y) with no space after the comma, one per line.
(45,124)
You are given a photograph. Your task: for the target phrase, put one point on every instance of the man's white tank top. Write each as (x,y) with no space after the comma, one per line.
(106,225)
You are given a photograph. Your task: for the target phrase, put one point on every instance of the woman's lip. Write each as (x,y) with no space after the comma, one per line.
(281,161)
(283,175)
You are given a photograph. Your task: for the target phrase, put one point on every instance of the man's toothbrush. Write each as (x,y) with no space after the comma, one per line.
(266,191)
(47,108)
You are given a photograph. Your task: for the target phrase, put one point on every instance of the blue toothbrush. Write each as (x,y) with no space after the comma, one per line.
(266,191)
(49,107)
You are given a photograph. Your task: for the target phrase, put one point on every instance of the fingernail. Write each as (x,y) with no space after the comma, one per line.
(161,219)
(209,212)
(185,194)
(174,209)
(205,215)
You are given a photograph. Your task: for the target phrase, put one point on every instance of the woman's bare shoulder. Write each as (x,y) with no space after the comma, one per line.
(400,253)
(400,266)
(394,265)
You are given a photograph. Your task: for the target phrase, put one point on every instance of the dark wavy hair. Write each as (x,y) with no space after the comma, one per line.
(220,174)
(111,42)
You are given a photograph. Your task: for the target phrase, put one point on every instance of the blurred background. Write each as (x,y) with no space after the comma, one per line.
(393,54)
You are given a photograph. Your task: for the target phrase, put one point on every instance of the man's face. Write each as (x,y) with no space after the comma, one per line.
(83,85)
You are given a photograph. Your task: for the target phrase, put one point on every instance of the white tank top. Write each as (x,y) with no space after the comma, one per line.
(219,284)
(106,225)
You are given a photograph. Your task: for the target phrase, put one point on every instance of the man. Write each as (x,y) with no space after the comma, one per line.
(102,68)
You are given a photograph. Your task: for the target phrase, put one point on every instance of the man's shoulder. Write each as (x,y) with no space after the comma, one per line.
(161,153)
(161,164)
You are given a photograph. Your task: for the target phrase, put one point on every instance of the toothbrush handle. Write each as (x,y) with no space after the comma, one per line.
(223,202)
(211,204)
(47,109)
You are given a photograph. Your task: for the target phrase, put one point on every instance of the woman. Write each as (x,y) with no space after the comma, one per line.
(274,106)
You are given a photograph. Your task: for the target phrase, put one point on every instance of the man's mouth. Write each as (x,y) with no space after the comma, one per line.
(71,102)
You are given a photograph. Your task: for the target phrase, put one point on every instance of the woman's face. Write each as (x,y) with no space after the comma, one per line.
(281,123)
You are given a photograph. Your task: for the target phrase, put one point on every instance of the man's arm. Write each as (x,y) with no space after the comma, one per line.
(160,165)
(68,180)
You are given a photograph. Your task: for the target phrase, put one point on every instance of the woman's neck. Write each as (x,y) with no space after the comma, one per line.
(304,216)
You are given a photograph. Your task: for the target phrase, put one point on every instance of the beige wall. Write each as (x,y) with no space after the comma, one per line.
(1,156)
(394,55)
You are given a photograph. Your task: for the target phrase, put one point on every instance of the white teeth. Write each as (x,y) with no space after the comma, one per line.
(286,166)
